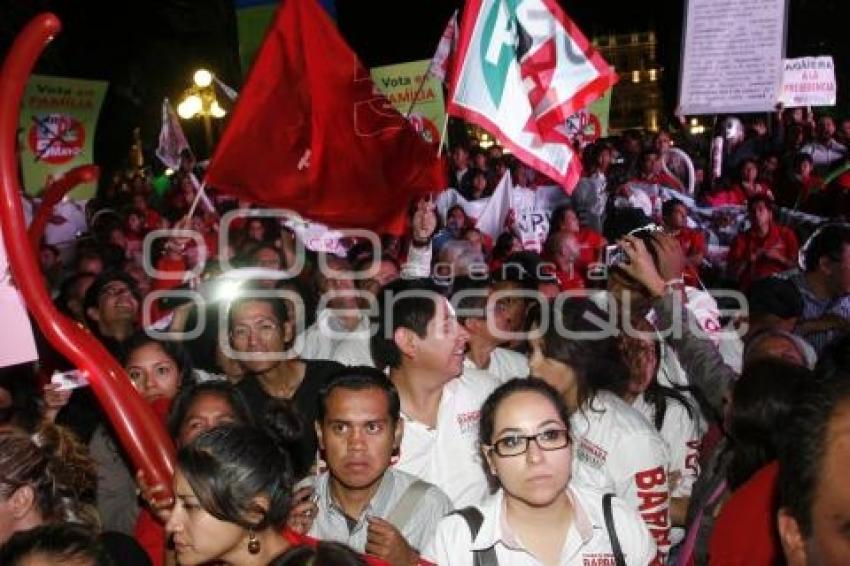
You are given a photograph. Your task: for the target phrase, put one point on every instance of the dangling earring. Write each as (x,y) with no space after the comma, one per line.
(253,542)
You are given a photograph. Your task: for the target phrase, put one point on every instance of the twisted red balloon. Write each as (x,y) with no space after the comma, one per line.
(54,193)
(139,430)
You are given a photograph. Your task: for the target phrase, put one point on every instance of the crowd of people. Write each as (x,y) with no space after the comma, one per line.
(617,392)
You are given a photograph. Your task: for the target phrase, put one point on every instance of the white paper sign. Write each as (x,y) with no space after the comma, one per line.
(18,344)
(733,56)
(317,237)
(809,81)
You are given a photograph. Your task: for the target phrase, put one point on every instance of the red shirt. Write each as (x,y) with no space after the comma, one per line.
(569,280)
(745,530)
(591,245)
(152,220)
(733,196)
(691,241)
(660,178)
(736,195)
(809,185)
(744,246)
(150,534)
(169,265)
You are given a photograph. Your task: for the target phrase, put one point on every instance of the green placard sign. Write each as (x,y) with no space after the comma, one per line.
(406,85)
(252,23)
(601,109)
(57,124)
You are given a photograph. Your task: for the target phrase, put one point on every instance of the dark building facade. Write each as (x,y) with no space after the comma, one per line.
(637,100)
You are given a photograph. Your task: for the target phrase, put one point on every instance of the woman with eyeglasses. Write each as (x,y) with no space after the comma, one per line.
(617,449)
(537,515)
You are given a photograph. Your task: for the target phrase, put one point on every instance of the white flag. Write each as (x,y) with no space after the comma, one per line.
(172,140)
(493,217)
(228,90)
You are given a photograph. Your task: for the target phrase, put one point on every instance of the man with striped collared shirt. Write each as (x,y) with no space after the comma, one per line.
(825,287)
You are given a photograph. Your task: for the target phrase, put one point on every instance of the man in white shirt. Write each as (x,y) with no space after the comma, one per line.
(419,339)
(460,165)
(339,318)
(825,151)
(343,336)
(489,327)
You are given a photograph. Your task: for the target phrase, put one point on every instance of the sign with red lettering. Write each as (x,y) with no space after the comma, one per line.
(808,81)
(415,93)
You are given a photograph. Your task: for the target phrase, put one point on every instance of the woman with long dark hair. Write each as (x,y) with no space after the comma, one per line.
(195,410)
(538,515)
(673,412)
(761,402)
(233,489)
(158,371)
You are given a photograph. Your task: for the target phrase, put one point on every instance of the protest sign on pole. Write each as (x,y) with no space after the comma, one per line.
(733,54)
(809,81)
(57,123)
(411,88)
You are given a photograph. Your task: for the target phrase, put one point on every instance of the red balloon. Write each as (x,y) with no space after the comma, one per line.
(140,431)
(54,193)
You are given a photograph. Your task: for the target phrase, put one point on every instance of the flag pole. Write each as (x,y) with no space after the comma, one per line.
(195,202)
(425,76)
(443,135)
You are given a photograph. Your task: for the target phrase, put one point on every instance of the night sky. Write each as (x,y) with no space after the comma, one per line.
(149,50)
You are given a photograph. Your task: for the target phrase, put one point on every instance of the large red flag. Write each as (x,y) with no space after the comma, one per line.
(311,133)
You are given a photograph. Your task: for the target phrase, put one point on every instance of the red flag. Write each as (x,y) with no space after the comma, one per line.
(311,133)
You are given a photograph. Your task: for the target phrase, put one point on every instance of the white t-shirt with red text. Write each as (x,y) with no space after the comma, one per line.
(682,431)
(586,541)
(504,365)
(617,450)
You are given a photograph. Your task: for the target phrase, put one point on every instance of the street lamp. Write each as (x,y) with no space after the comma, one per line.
(200,100)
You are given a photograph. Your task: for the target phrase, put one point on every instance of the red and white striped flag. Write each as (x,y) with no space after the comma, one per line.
(522,69)
(443,57)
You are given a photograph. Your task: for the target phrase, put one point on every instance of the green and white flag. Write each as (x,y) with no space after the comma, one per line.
(524,68)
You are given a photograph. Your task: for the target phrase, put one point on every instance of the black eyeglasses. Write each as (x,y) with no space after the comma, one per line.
(515,445)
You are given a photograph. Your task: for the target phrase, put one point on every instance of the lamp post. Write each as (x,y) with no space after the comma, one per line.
(200,100)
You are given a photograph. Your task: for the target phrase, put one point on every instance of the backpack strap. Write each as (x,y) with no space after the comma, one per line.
(474,519)
(406,506)
(619,559)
